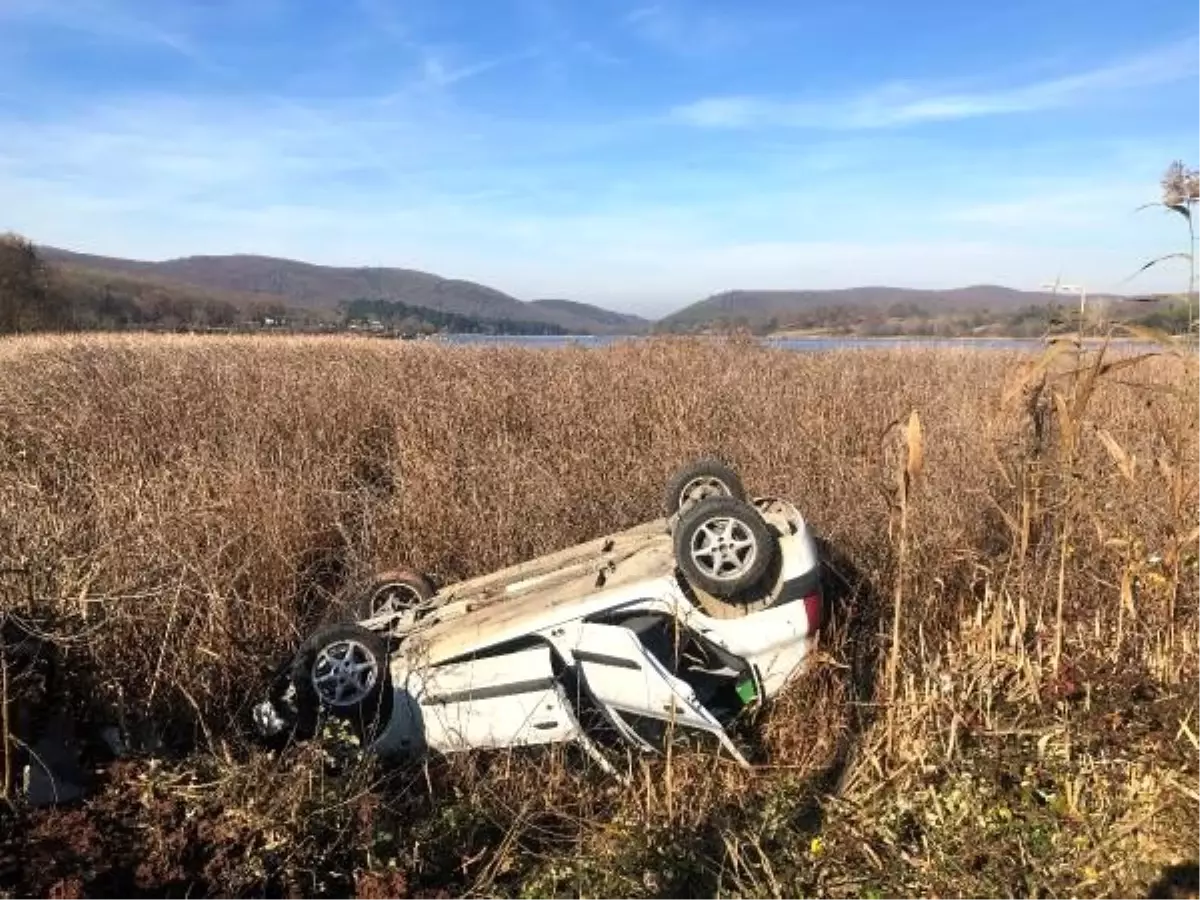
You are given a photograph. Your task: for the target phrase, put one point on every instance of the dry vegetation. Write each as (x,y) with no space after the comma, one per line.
(181,510)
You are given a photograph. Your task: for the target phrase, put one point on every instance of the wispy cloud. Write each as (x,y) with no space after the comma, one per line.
(348,157)
(900,104)
(1080,206)
(438,71)
(595,52)
(561,41)
(352,184)
(105,19)
(693,32)
(384,15)
(412,135)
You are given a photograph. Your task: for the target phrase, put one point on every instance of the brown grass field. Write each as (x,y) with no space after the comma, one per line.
(176,512)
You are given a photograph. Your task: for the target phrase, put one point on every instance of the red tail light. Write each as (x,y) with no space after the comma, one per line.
(814,609)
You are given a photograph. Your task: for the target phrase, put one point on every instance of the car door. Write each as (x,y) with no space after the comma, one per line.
(625,678)
(508,699)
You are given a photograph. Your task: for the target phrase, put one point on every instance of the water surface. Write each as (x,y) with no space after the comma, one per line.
(801,344)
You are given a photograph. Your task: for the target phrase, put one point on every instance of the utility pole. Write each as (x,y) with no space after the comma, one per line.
(1071,289)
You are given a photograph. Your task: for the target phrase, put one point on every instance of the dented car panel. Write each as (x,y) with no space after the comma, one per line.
(497,701)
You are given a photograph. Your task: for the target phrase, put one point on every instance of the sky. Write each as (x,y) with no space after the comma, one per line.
(640,155)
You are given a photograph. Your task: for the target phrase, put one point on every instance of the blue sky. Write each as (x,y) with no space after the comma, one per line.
(636,154)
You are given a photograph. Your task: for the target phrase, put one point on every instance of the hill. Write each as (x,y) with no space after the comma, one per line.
(305,286)
(884,309)
(584,316)
(757,305)
(224,291)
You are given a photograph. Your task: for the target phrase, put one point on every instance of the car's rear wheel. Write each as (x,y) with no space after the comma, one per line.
(698,481)
(724,546)
(343,669)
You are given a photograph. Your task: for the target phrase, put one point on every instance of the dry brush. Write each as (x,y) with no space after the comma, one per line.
(181,510)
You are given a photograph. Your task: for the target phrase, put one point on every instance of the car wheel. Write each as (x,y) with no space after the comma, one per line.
(700,480)
(398,591)
(343,670)
(724,546)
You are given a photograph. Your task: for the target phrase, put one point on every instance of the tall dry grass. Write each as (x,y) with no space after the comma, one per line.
(196,494)
(183,509)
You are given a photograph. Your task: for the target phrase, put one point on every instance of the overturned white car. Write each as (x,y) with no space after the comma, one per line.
(675,627)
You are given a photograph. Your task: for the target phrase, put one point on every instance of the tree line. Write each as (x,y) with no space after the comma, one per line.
(397,316)
(27,302)
(37,296)
(912,320)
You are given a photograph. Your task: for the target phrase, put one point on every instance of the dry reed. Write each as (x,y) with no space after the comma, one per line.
(188,507)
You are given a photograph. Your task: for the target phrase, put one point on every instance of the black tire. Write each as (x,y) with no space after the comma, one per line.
(744,546)
(368,713)
(402,588)
(700,479)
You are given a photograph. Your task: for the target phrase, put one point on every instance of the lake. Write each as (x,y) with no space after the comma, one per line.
(803,344)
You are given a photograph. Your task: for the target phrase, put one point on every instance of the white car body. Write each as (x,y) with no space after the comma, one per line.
(510,659)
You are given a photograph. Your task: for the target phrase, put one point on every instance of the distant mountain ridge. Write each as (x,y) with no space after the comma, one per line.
(788,307)
(313,287)
(245,280)
(567,312)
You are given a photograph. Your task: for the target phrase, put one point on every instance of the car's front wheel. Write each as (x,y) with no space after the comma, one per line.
(724,546)
(343,669)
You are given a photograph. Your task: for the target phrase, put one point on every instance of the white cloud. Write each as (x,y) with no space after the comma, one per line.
(900,104)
